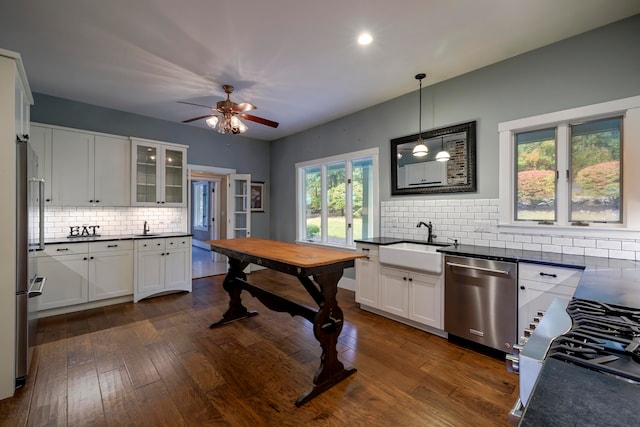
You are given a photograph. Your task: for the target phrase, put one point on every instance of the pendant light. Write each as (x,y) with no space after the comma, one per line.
(443,155)
(420,150)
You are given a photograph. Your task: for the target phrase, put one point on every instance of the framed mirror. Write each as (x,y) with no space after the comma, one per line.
(411,174)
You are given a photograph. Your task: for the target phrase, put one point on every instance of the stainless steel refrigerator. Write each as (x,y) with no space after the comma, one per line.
(29,240)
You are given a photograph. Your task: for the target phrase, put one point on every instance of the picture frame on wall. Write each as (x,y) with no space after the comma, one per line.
(258,196)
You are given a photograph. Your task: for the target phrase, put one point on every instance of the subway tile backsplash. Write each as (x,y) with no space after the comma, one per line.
(475,222)
(113,221)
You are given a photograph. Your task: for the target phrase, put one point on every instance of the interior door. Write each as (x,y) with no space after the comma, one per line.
(238,206)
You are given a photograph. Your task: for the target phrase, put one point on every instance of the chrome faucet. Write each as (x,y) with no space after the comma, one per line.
(145,229)
(429,226)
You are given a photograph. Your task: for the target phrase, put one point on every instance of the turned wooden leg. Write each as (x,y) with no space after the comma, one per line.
(236,310)
(327,326)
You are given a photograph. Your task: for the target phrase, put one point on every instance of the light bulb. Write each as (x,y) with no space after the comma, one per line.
(420,150)
(212,121)
(443,156)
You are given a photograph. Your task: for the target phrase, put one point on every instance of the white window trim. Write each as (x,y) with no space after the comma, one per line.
(300,207)
(630,228)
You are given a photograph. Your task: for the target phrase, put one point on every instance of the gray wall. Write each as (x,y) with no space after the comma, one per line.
(206,147)
(597,66)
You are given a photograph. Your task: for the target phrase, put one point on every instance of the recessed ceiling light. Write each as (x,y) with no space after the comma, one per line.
(365,39)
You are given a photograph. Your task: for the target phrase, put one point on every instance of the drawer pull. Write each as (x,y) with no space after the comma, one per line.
(112,246)
(62,249)
(549,275)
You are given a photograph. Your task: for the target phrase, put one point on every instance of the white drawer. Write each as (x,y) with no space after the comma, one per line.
(549,274)
(370,250)
(567,291)
(150,244)
(113,245)
(65,249)
(178,242)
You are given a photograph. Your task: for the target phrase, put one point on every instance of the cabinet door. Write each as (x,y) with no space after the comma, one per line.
(72,168)
(67,281)
(393,291)
(238,206)
(40,138)
(174,177)
(425,300)
(367,273)
(151,268)
(145,174)
(110,274)
(177,268)
(112,174)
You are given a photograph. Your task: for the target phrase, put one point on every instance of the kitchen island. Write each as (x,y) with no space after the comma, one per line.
(325,266)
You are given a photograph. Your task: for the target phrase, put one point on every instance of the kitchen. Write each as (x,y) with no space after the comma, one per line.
(490,95)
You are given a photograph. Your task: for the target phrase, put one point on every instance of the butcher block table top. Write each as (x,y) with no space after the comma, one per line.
(293,254)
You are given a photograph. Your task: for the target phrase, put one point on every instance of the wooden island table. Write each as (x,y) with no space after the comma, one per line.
(325,266)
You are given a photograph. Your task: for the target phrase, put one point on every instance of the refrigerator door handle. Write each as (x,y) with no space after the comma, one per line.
(37,287)
(41,184)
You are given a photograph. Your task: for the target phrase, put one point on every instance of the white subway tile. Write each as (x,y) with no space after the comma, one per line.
(609,244)
(584,243)
(531,247)
(543,240)
(596,252)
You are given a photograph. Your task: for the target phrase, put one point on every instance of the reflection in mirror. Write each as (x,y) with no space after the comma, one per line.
(416,175)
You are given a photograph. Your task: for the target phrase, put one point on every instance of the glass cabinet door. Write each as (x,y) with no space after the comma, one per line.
(173,173)
(146,174)
(238,206)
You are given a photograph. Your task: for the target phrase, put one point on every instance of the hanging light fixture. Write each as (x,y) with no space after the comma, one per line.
(442,155)
(420,150)
(228,123)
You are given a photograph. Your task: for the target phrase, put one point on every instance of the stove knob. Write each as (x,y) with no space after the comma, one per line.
(513,363)
(523,340)
(540,313)
(528,332)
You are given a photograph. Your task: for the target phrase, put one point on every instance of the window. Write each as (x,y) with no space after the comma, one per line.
(566,168)
(200,205)
(337,199)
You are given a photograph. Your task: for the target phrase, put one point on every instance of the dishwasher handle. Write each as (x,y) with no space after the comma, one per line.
(471,267)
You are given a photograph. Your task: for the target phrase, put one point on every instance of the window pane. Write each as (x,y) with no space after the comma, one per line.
(313,203)
(535,179)
(362,189)
(595,171)
(336,203)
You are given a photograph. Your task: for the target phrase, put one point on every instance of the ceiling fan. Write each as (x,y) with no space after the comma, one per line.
(225,119)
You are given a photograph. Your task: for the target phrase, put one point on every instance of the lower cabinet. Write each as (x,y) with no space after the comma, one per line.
(162,265)
(367,275)
(415,296)
(82,272)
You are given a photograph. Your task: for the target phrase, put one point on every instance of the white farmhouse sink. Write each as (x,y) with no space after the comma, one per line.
(415,256)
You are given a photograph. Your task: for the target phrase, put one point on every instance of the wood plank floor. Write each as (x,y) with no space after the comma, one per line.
(156,363)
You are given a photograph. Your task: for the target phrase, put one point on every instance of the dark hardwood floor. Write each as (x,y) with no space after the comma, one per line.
(156,363)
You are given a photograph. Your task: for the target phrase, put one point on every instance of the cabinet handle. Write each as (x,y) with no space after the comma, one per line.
(158,202)
(548,274)
(162,254)
(522,287)
(90,201)
(410,279)
(62,249)
(112,246)
(171,243)
(47,200)
(97,201)
(84,259)
(162,202)
(366,249)
(167,253)
(404,278)
(90,257)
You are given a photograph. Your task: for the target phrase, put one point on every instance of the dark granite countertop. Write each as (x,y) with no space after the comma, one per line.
(52,241)
(569,395)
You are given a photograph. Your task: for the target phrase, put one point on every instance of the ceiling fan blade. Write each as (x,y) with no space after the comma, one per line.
(242,107)
(198,118)
(260,120)
(197,105)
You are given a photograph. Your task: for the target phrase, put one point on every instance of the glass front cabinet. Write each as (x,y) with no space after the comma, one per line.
(159,173)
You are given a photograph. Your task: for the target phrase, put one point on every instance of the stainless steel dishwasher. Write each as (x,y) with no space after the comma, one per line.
(481,301)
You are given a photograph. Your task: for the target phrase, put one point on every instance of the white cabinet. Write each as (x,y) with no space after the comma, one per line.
(82,272)
(367,275)
(162,265)
(159,173)
(66,268)
(412,295)
(238,206)
(110,269)
(40,138)
(426,173)
(539,285)
(87,169)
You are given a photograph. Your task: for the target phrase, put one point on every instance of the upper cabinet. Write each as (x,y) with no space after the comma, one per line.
(83,168)
(238,206)
(159,173)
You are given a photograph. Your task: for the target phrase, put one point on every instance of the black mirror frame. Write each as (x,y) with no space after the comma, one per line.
(470,129)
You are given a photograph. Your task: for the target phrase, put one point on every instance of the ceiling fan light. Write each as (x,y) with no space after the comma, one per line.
(212,121)
(420,150)
(443,156)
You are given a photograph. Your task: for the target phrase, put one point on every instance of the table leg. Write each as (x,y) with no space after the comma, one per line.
(327,326)
(236,310)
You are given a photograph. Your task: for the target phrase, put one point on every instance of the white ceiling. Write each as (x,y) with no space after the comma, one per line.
(296,60)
